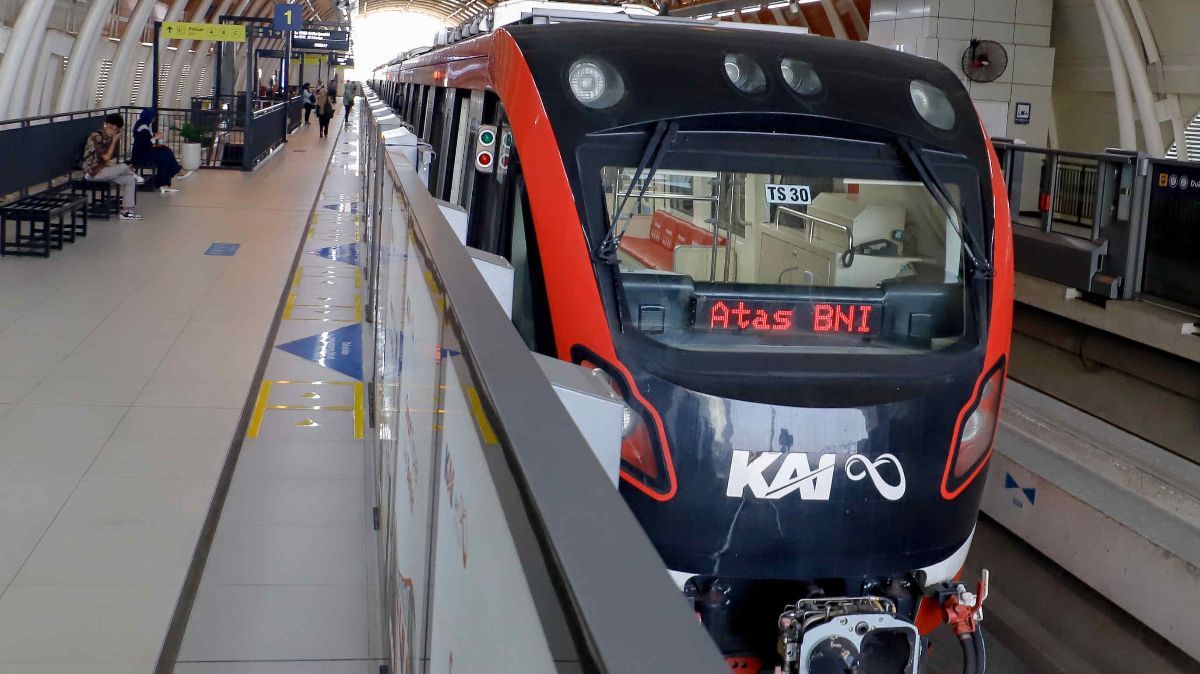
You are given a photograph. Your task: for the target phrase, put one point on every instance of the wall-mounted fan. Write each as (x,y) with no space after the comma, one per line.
(984,61)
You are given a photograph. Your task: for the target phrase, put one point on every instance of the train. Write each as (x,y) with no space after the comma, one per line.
(791,257)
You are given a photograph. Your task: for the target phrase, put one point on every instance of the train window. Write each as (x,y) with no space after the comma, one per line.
(530,310)
(795,251)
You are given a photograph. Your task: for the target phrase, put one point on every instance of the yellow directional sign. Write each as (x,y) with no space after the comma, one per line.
(213,32)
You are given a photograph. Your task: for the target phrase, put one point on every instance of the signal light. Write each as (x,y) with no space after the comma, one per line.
(976,434)
(485,144)
(642,457)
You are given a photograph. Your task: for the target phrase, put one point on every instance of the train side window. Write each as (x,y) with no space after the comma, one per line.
(434,133)
(530,308)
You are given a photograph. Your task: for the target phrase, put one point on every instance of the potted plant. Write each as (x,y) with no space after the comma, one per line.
(192,137)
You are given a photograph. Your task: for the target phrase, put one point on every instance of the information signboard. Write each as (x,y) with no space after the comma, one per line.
(325,40)
(212,32)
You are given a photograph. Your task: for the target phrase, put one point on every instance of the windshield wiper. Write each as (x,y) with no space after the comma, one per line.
(974,250)
(661,139)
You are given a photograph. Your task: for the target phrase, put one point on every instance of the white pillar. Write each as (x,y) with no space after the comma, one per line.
(117,91)
(1136,66)
(20,102)
(71,94)
(1124,98)
(17,50)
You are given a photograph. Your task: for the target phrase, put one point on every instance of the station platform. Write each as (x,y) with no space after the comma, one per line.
(131,357)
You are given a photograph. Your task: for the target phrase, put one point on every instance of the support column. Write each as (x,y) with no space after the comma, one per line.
(117,91)
(72,94)
(1136,66)
(20,102)
(17,51)
(1128,134)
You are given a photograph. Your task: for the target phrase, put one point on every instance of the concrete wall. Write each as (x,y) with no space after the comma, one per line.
(943,29)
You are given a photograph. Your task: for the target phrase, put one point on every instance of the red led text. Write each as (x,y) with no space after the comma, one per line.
(742,317)
(842,318)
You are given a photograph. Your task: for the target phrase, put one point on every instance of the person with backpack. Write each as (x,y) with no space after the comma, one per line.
(99,165)
(324,110)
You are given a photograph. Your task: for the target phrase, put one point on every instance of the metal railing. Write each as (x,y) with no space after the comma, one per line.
(1117,224)
(493,509)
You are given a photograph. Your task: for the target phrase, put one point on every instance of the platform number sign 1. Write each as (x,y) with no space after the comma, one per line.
(485,148)
(288,16)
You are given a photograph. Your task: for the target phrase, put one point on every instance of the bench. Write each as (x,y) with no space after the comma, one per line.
(667,232)
(103,200)
(41,223)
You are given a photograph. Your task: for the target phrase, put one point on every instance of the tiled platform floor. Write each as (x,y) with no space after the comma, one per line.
(125,362)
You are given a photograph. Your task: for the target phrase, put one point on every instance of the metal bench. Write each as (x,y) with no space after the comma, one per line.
(103,202)
(40,223)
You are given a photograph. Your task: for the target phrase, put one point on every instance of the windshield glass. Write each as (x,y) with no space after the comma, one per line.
(717,252)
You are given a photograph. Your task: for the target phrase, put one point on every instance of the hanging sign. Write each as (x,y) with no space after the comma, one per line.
(212,32)
(288,17)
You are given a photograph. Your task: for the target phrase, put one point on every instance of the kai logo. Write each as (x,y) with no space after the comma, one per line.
(797,473)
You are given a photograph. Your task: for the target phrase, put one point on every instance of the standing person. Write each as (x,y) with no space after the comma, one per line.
(98,164)
(306,95)
(324,110)
(147,149)
(348,94)
(333,87)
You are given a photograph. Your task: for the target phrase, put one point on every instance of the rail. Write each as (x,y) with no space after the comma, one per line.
(501,539)
(1116,225)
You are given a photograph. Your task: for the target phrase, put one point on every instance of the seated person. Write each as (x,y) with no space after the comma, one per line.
(98,164)
(147,150)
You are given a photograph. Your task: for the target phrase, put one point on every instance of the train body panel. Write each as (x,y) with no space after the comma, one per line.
(802,292)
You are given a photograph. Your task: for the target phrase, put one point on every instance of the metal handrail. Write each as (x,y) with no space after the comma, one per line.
(602,565)
(815,219)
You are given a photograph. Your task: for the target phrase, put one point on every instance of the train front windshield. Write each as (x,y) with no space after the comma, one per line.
(832,245)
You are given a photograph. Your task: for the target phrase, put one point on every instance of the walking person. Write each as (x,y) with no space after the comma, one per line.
(348,94)
(324,110)
(310,101)
(98,164)
(149,150)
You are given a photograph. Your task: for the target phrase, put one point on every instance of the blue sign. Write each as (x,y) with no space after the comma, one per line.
(1010,483)
(225,249)
(339,350)
(347,253)
(288,16)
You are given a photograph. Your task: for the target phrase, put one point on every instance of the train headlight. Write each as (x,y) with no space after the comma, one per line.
(932,104)
(595,83)
(976,433)
(800,76)
(642,457)
(744,74)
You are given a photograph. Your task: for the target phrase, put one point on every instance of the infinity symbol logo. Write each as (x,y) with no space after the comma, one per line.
(859,466)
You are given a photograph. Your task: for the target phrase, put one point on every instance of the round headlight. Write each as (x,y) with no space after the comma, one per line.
(745,74)
(800,76)
(595,83)
(932,104)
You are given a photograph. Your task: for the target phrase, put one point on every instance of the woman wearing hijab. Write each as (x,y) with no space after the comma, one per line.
(148,150)
(324,110)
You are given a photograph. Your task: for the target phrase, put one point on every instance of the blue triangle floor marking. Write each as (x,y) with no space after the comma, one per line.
(339,350)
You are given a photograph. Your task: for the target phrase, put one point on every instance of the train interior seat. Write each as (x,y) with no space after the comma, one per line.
(652,241)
